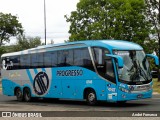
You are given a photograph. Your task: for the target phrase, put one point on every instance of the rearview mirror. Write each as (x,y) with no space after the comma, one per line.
(156,60)
(119,59)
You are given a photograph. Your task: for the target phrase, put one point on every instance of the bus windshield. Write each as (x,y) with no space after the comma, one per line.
(136,67)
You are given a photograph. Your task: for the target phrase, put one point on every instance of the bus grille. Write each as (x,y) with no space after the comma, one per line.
(142,88)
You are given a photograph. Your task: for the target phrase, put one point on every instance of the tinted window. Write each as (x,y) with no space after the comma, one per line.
(109,68)
(11,63)
(47,59)
(98,56)
(61,59)
(50,59)
(104,64)
(16,62)
(34,60)
(69,57)
(25,61)
(40,60)
(65,58)
(82,58)
(73,57)
(37,60)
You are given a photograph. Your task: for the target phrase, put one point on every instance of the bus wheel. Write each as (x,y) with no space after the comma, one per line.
(19,94)
(27,95)
(91,97)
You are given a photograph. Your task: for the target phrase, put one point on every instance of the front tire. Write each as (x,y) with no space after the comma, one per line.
(27,95)
(19,94)
(91,97)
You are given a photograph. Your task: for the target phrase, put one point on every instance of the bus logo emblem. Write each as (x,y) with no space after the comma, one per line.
(41,83)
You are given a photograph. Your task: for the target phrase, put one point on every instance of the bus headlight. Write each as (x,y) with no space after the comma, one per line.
(123,89)
(131,88)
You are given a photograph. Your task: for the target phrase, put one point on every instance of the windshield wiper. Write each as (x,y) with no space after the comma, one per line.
(142,73)
(137,72)
(144,65)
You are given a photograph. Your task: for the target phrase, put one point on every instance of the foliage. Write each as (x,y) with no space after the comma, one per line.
(150,46)
(109,19)
(2,50)
(153,14)
(26,43)
(156,86)
(23,43)
(9,26)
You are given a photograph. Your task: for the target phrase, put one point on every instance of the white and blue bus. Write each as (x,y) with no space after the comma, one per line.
(101,70)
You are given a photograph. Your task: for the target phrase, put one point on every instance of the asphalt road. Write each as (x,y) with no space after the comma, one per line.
(11,104)
(81,110)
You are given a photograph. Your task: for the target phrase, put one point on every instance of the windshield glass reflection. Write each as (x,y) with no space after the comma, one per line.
(136,67)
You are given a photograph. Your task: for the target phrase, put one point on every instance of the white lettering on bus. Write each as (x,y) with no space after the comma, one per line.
(69,72)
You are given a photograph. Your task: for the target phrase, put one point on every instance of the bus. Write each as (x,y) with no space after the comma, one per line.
(97,70)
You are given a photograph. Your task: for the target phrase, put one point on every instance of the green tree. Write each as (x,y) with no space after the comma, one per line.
(9,26)
(2,50)
(24,43)
(109,19)
(153,14)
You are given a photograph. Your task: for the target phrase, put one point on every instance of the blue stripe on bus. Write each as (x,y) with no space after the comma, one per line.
(43,69)
(30,76)
(35,71)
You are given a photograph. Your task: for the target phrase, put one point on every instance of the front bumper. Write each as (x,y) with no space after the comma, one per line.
(122,96)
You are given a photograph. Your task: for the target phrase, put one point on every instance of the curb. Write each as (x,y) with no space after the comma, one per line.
(156,93)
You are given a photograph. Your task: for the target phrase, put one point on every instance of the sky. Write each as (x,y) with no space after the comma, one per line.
(31,14)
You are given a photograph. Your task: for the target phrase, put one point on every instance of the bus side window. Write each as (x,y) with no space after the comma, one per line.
(11,62)
(34,60)
(110,68)
(61,59)
(82,58)
(53,58)
(25,61)
(40,60)
(65,58)
(103,63)
(69,58)
(98,56)
(15,61)
(48,59)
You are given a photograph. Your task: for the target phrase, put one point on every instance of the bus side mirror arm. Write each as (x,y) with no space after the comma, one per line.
(155,58)
(119,59)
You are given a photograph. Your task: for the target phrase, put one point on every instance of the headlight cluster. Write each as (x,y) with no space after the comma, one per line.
(123,89)
(131,88)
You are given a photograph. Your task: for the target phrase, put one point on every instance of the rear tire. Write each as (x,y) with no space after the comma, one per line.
(91,97)
(19,94)
(27,95)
